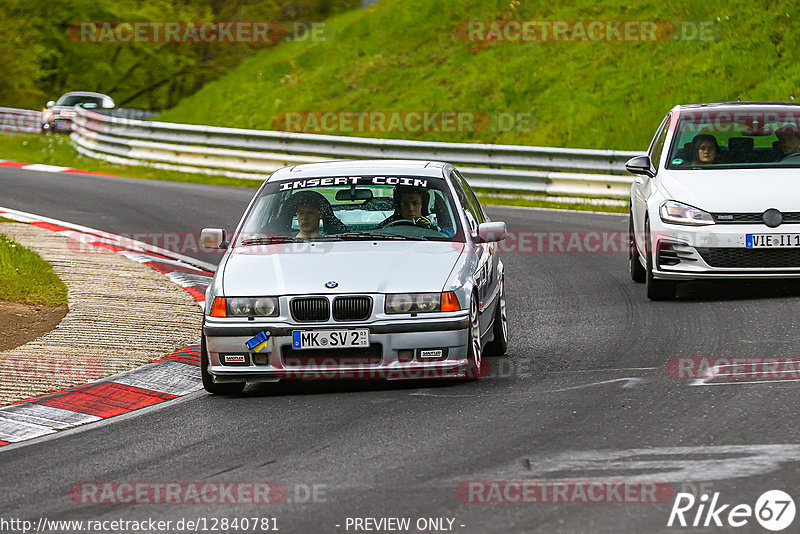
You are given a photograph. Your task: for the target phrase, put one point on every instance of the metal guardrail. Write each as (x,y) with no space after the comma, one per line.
(127,113)
(20,120)
(256,153)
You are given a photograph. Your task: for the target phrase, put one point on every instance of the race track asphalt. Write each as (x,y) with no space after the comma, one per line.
(583,395)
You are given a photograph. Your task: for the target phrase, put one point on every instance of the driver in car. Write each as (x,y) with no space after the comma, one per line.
(410,204)
(788,141)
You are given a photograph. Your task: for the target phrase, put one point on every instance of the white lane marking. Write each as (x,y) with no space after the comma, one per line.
(603,370)
(628,382)
(662,464)
(44,168)
(702,382)
(714,372)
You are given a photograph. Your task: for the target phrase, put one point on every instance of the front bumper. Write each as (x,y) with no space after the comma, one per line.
(391,343)
(719,252)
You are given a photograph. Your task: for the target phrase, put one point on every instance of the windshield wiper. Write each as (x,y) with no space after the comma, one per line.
(271,240)
(376,235)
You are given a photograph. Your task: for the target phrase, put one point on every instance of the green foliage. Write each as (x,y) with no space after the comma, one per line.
(411,55)
(25,277)
(45,57)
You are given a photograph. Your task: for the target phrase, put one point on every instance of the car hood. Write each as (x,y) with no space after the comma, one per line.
(735,190)
(356,266)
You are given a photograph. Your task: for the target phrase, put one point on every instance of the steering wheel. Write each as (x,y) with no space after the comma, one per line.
(401,222)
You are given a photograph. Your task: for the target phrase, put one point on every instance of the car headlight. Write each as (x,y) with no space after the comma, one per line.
(421,302)
(245,307)
(679,213)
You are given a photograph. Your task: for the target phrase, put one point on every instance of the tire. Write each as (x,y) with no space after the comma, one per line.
(474,353)
(638,272)
(227,388)
(656,289)
(499,345)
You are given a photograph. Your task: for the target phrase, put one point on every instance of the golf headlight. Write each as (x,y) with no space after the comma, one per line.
(257,307)
(679,213)
(413,302)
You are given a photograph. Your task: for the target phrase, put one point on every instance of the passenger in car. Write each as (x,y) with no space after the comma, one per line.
(308,220)
(705,149)
(310,208)
(788,141)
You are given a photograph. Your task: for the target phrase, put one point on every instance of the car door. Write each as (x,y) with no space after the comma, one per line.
(642,187)
(485,253)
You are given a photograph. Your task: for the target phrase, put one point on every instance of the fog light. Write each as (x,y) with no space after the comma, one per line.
(405,355)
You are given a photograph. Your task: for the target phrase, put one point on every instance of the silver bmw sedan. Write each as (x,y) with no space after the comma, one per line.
(355,269)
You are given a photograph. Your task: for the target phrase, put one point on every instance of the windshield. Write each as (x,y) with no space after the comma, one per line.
(752,137)
(89,102)
(352,208)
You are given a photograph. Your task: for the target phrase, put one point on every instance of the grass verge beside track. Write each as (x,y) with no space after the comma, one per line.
(27,278)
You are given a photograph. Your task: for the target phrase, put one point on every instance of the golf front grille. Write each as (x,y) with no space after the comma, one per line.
(748,258)
(752,218)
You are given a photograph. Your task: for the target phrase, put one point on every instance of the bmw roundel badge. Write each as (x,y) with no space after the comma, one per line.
(331,284)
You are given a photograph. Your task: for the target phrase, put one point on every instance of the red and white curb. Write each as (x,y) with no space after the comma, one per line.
(165,379)
(162,380)
(41,167)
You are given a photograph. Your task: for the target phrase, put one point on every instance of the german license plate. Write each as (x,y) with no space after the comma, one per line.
(772,240)
(330,339)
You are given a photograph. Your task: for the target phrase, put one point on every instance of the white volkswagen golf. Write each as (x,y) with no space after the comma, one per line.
(717,196)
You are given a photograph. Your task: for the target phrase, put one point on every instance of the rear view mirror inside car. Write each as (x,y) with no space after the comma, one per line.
(353,194)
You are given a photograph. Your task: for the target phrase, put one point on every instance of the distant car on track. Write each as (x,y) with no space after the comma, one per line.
(717,196)
(359,269)
(57,116)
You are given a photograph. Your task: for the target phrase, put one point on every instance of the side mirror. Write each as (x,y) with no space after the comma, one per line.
(50,104)
(213,238)
(641,166)
(492,232)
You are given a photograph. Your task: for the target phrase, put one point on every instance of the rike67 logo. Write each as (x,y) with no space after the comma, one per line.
(774,510)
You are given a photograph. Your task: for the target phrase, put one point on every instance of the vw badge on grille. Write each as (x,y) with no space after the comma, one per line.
(772,218)
(331,284)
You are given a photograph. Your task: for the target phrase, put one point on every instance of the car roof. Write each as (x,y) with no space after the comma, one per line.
(84,93)
(721,106)
(370,167)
